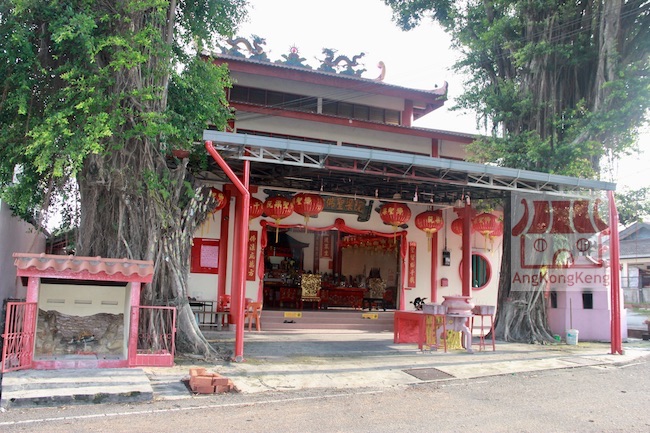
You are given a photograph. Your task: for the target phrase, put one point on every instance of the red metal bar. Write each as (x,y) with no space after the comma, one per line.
(223,247)
(467,250)
(615,288)
(33,283)
(434,268)
(135,320)
(240,243)
(18,336)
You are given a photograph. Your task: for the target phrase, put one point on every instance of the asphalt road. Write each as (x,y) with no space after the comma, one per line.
(586,399)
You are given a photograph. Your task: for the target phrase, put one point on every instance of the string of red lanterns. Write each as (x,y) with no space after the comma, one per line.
(368,243)
(485,223)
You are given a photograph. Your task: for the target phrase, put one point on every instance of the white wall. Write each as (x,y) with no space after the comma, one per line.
(83,300)
(336,133)
(204,286)
(16,236)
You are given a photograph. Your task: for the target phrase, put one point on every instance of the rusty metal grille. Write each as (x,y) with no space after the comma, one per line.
(428,374)
(18,336)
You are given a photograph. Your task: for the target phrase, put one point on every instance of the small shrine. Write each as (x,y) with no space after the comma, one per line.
(84,312)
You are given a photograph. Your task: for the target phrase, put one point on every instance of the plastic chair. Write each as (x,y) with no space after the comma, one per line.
(254,313)
(223,306)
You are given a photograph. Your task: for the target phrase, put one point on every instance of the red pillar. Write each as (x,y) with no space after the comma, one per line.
(135,320)
(407,114)
(467,249)
(224,241)
(33,284)
(434,267)
(240,243)
(615,283)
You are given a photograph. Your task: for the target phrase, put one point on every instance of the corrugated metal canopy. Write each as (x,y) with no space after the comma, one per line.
(363,172)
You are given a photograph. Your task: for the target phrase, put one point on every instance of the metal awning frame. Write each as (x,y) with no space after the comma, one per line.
(288,152)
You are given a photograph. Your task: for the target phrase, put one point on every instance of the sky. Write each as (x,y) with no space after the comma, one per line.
(420,58)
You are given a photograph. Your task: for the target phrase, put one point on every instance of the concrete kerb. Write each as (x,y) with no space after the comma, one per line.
(298,360)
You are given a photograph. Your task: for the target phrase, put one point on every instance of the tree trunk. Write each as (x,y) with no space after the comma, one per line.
(521,315)
(159,224)
(136,205)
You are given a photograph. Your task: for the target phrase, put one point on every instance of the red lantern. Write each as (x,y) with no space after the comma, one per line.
(457,226)
(485,223)
(308,205)
(255,208)
(429,222)
(278,208)
(498,231)
(395,214)
(220,198)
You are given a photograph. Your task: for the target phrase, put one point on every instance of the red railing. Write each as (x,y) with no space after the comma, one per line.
(18,336)
(156,336)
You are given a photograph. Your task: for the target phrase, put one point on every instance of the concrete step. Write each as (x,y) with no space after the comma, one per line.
(354,320)
(30,388)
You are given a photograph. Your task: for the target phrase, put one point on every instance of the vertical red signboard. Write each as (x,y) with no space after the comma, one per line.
(412,259)
(326,246)
(251,261)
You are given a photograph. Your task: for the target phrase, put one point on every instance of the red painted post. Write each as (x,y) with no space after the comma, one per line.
(33,284)
(223,247)
(434,267)
(240,243)
(134,323)
(615,283)
(467,249)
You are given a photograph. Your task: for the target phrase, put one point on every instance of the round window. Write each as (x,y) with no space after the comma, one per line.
(481,271)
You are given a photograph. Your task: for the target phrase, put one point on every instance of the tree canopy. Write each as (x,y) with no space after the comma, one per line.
(96,94)
(83,77)
(559,84)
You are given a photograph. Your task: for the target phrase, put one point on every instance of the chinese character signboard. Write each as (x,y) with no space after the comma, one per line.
(326,246)
(411,263)
(251,259)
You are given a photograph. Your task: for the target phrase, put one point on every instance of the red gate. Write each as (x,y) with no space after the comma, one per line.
(18,336)
(156,336)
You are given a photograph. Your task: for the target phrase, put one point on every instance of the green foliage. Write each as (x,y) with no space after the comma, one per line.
(69,71)
(196,100)
(633,205)
(558,85)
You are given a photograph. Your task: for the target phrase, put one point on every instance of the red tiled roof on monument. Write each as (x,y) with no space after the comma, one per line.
(48,265)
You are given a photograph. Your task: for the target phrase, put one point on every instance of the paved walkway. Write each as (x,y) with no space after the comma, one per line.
(299,360)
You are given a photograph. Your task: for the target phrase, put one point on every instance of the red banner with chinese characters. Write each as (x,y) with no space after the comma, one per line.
(251,259)
(326,247)
(412,258)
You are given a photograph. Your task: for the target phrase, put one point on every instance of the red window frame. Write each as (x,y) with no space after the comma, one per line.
(198,258)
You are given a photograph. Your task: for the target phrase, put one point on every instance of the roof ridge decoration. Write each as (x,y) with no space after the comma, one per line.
(340,64)
(331,64)
(47,263)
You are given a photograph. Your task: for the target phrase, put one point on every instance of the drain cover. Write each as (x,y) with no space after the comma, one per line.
(428,374)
